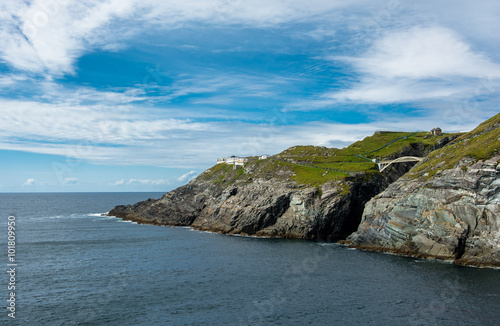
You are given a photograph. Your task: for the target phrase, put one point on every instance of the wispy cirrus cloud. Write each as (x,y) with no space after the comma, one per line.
(116,136)
(11,80)
(140,183)
(102,124)
(221,89)
(148,182)
(63,92)
(47,36)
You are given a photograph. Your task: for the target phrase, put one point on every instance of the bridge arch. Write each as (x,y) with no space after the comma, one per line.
(385,164)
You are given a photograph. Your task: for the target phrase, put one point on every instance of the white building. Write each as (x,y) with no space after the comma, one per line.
(241,161)
(233,160)
(264,157)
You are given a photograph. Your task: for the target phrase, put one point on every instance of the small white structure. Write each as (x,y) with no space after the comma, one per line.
(233,160)
(241,161)
(264,157)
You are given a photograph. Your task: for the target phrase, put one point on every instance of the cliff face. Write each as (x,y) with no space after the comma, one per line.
(447,207)
(270,208)
(263,207)
(304,192)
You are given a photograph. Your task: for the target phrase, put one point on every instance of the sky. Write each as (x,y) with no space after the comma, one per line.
(144,95)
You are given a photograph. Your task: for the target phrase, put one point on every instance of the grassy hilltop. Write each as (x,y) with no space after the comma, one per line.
(481,143)
(314,166)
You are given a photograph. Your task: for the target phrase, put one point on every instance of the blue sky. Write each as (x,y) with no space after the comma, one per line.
(143,95)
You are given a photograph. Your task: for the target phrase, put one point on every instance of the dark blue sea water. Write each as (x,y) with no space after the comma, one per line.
(76,267)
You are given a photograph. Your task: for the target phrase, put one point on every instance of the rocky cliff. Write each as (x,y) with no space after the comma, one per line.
(304,192)
(446,207)
(263,207)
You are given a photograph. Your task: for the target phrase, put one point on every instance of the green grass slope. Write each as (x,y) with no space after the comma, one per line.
(314,166)
(481,143)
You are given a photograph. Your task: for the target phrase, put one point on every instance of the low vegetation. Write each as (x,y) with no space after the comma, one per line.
(314,165)
(480,144)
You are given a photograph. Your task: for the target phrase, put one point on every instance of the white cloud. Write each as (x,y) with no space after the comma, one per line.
(187,176)
(47,36)
(478,20)
(119,182)
(29,182)
(10,80)
(70,181)
(200,149)
(118,126)
(424,52)
(148,182)
(373,90)
(89,125)
(417,64)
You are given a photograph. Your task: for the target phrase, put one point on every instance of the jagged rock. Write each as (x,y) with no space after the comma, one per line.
(263,199)
(180,207)
(438,211)
(266,202)
(263,208)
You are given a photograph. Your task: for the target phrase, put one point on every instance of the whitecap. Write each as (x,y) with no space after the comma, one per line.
(98,214)
(202,231)
(330,244)
(127,221)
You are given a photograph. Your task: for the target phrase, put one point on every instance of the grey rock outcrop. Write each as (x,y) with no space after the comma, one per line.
(441,211)
(265,199)
(454,216)
(179,207)
(263,207)
(449,210)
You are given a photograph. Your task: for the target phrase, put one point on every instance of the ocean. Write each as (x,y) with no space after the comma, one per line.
(76,267)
